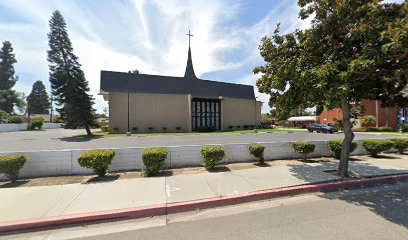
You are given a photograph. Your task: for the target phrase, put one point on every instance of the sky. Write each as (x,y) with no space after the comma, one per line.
(148,35)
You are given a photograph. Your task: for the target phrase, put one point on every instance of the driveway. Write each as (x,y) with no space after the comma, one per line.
(56,139)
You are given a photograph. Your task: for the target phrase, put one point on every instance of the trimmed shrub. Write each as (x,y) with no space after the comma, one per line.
(400,144)
(164,129)
(206,129)
(374,147)
(386,129)
(134,129)
(230,127)
(404,127)
(212,155)
(98,160)
(10,165)
(246,126)
(252,126)
(153,160)
(304,148)
(37,123)
(15,119)
(257,150)
(336,145)
(238,127)
(178,129)
(150,128)
(105,128)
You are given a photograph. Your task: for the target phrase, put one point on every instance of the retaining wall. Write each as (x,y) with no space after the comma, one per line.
(64,162)
(14,127)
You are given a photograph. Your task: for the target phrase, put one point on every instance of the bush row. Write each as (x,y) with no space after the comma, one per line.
(154,158)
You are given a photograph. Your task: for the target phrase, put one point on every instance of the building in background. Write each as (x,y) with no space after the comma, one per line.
(386,117)
(152,103)
(302,121)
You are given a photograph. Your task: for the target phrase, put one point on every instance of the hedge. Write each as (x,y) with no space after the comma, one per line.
(98,160)
(374,147)
(304,148)
(105,129)
(212,155)
(400,144)
(37,123)
(15,119)
(336,145)
(10,165)
(153,160)
(257,150)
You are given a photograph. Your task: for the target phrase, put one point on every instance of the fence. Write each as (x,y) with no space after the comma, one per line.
(64,162)
(14,127)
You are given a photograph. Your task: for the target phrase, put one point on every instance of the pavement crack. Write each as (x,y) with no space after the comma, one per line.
(72,202)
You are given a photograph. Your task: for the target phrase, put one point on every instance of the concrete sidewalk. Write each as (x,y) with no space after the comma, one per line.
(47,201)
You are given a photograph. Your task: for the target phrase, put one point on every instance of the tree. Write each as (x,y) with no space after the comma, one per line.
(348,54)
(8,97)
(368,121)
(38,101)
(68,83)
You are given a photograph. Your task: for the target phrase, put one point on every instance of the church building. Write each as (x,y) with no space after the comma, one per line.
(152,103)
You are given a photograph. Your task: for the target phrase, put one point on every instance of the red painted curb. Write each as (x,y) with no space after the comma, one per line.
(163,209)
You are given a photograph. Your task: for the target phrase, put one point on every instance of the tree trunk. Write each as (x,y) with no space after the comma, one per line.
(348,138)
(88,131)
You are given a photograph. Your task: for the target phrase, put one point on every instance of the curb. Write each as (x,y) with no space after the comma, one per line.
(163,209)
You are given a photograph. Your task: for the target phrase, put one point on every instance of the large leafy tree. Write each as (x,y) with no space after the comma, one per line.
(8,97)
(68,82)
(38,100)
(353,50)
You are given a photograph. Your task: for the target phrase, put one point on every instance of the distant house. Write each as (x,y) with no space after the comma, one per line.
(102,121)
(302,121)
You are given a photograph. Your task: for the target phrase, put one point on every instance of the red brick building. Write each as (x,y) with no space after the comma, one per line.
(386,117)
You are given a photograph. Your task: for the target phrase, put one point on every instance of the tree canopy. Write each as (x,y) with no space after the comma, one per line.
(353,50)
(8,97)
(68,82)
(38,100)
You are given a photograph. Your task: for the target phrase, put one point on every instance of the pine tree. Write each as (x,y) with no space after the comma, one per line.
(8,58)
(8,97)
(68,82)
(38,100)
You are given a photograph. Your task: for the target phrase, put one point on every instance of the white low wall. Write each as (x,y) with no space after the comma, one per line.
(64,162)
(14,127)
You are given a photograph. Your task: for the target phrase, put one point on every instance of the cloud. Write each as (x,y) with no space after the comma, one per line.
(145,35)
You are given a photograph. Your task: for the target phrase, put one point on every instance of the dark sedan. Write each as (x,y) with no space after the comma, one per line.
(321,128)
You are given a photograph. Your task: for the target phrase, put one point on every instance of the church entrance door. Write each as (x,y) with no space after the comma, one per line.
(205,114)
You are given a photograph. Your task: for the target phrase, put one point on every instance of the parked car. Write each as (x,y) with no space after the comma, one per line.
(321,128)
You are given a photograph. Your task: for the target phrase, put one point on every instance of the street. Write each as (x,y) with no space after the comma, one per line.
(58,139)
(371,213)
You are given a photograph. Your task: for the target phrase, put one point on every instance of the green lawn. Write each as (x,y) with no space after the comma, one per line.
(105,135)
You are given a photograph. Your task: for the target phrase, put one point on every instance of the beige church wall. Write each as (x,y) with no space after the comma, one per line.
(150,110)
(239,112)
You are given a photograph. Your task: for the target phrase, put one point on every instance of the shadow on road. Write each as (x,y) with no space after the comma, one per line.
(81,138)
(391,205)
(385,202)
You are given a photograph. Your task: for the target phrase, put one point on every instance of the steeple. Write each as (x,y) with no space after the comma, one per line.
(189,68)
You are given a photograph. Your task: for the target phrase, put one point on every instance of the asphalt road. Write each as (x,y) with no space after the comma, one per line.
(372,213)
(57,139)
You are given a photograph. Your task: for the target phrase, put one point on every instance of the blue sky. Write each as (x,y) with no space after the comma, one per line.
(148,35)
